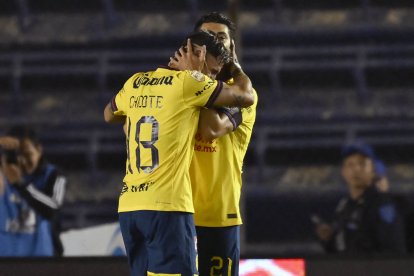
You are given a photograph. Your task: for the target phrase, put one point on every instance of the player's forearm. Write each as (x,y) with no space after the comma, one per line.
(244,96)
(110,117)
(213,124)
(241,79)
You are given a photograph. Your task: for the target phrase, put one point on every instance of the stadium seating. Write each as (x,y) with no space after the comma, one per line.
(327,72)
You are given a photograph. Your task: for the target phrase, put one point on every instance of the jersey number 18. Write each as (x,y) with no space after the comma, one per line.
(144,144)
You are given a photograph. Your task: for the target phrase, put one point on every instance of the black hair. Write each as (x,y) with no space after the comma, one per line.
(213,45)
(216,17)
(24,132)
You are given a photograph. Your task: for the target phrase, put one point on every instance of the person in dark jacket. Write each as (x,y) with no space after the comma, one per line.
(367,220)
(32,194)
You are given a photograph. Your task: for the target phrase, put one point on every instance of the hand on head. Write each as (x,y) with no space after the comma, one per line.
(233,52)
(189,58)
(235,67)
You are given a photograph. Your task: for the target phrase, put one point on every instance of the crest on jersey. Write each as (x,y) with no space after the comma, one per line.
(198,76)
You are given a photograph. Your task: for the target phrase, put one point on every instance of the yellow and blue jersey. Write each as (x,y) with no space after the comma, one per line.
(216,174)
(162,109)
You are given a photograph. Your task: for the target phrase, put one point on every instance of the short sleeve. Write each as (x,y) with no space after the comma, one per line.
(120,102)
(249,113)
(200,90)
(234,114)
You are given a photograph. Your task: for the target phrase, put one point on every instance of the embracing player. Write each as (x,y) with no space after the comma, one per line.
(221,144)
(161,110)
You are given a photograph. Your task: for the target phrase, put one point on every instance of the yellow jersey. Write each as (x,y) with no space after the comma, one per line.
(216,174)
(162,109)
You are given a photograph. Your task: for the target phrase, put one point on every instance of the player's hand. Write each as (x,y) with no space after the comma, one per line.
(225,72)
(189,58)
(9,143)
(233,52)
(235,67)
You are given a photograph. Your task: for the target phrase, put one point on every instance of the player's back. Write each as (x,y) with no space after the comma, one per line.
(162,109)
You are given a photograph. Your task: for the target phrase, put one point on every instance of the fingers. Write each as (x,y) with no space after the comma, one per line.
(173,63)
(181,52)
(189,57)
(203,52)
(189,46)
(233,51)
(177,56)
(232,46)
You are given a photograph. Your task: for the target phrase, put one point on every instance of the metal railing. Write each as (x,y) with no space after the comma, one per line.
(269,61)
(102,64)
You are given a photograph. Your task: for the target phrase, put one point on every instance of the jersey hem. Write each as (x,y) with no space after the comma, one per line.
(217,225)
(153,208)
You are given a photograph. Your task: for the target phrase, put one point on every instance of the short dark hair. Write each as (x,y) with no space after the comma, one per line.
(24,132)
(213,45)
(216,17)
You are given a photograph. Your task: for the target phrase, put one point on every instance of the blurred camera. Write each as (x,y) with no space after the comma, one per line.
(11,156)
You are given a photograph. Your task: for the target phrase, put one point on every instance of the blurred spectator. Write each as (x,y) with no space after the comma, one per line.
(31,196)
(367,220)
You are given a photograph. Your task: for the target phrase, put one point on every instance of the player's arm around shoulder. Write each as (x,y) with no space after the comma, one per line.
(217,122)
(239,94)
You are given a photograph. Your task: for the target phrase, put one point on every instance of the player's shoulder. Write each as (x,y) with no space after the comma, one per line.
(255,93)
(193,76)
(182,75)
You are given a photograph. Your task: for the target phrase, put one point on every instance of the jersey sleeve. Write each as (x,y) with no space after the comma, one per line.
(249,113)
(248,117)
(233,113)
(200,90)
(119,102)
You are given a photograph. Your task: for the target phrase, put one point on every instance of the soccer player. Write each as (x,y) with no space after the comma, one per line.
(161,109)
(221,144)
